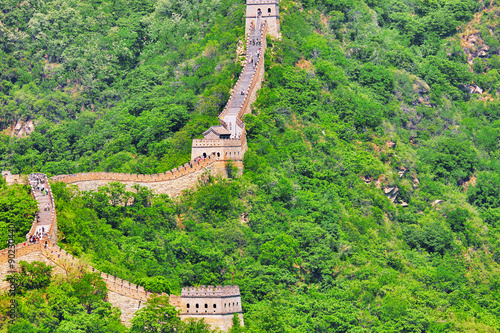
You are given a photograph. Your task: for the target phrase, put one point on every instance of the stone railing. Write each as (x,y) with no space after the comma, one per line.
(183,170)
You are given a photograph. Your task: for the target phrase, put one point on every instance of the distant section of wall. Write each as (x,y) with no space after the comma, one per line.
(11,179)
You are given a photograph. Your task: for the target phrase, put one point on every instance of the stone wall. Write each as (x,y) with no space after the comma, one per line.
(223,322)
(11,179)
(172,182)
(235,149)
(124,295)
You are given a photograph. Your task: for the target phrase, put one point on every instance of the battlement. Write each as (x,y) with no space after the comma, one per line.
(195,165)
(211,291)
(217,143)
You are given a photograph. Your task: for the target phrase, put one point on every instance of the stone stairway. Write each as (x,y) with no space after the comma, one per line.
(234,107)
(41,191)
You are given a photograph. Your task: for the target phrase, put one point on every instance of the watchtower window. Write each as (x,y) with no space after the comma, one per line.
(215,306)
(188,305)
(218,154)
(204,155)
(197,305)
(269,10)
(206,305)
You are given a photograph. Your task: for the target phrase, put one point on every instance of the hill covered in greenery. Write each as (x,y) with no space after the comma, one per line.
(370,196)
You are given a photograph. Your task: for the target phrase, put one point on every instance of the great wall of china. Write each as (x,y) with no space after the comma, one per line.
(222,143)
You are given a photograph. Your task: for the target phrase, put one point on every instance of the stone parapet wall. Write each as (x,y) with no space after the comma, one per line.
(172,182)
(237,84)
(217,143)
(172,187)
(211,291)
(178,172)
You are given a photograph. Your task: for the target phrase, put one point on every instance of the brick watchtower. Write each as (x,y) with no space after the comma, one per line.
(268,10)
(216,305)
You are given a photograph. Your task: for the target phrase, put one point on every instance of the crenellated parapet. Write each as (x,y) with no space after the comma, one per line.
(211,291)
(183,170)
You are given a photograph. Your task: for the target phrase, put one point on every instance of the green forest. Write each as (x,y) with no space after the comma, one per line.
(370,196)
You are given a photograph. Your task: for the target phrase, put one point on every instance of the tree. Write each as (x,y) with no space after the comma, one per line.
(378,78)
(90,289)
(155,284)
(236,328)
(281,252)
(157,317)
(457,219)
(486,192)
(451,159)
(32,276)
(17,209)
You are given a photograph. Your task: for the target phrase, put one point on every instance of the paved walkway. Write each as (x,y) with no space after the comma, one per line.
(41,191)
(245,80)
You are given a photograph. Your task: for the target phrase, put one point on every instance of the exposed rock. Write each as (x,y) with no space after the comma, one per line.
(422,89)
(475,89)
(404,204)
(436,202)
(402,171)
(388,189)
(391,192)
(416,182)
(390,144)
(470,182)
(23,128)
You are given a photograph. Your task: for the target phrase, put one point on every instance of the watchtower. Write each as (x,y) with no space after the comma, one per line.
(216,305)
(268,11)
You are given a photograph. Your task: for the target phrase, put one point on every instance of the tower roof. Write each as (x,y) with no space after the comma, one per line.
(218,129)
